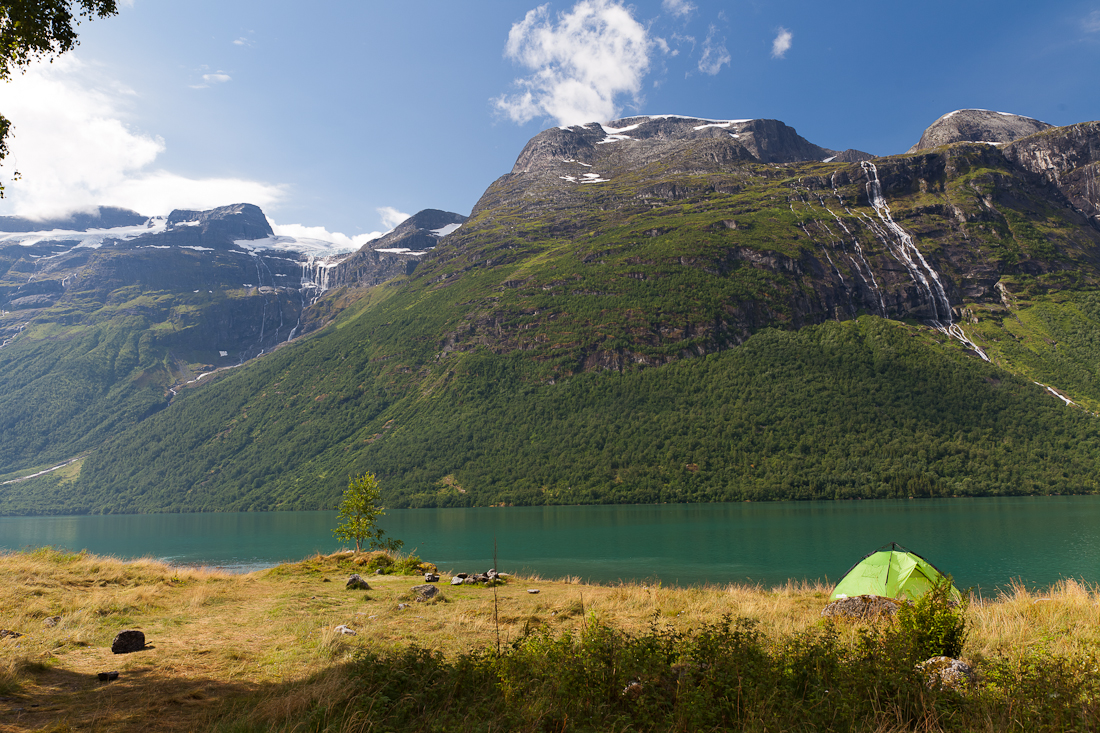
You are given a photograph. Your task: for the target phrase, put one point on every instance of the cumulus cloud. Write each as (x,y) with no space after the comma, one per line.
(678,7)
(583,61)
(391,217)
(298,231)
(73,150)
(782,43)
(1091,23)
(715,55)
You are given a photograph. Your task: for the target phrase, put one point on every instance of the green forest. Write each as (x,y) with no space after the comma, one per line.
(865,408)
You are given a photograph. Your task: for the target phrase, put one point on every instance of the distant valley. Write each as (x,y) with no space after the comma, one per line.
(648,310)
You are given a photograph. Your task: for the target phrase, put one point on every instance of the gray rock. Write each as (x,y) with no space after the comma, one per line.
(457,580)
(425,592)
(128,641)
(347,631)
(977,125)
(862,608)
(532,590)
(52,621)
(431,578)
(946,673)
(355,582)
(9,634)
(470,580)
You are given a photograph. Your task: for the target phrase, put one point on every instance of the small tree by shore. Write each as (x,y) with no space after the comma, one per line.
(360,511)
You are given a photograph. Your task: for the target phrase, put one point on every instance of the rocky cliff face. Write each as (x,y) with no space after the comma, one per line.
(1069,158)
(978,126)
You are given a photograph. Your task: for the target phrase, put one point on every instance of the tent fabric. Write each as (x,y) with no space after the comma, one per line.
(891,571)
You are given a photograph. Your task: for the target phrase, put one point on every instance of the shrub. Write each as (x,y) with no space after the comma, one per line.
(935,625)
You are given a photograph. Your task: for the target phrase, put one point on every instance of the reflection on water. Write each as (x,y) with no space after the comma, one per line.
(982,542)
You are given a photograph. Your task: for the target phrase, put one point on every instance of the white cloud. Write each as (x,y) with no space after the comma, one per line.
(1091,23)
(678,7)
(583,61)
(715,55)
(73,150)
(218,77)
(299,231)
(782,43)
(242,42)
(391,217)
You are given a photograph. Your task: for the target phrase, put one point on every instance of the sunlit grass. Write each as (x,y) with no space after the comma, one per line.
(263,649)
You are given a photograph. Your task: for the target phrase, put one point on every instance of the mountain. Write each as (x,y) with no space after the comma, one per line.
(106,316)
(673,309)
(977,126)
(397,252)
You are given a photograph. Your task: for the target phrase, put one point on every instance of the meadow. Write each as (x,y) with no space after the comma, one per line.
(262,652)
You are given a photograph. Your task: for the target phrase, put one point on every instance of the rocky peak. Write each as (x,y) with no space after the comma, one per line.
(640,139)
(979,126)
(225,223)
(419,232)
(398,252)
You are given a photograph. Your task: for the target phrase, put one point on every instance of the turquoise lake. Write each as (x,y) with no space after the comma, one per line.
(984,543)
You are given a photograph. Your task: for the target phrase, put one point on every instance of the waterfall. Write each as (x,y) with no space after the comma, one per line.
(902,246)
(904,249)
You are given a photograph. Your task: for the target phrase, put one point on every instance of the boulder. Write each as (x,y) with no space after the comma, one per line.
(862,608)
(532,591)
(457,580)
(356,582)
(9,634)
(425,592)
(128,641)
(347,631)
(946,673)
(52,621)
(431,578)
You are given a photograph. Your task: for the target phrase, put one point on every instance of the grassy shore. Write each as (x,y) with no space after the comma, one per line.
(261,652)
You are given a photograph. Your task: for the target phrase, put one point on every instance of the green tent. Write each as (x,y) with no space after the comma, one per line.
(890,571)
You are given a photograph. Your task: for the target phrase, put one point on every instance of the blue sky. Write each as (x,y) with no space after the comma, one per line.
(343,115)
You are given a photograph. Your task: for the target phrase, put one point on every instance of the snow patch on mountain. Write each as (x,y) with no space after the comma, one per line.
(92,238)
(444,230)
(304,245)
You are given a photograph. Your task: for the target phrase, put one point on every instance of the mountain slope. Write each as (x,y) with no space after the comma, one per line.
(912,325)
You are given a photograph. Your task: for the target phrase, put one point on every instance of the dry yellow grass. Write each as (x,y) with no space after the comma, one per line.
(218,641)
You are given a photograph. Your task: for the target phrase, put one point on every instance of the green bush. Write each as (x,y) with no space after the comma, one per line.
(935,625)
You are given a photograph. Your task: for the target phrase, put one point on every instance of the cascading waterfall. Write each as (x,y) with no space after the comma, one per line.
(900,244)
(904,249)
